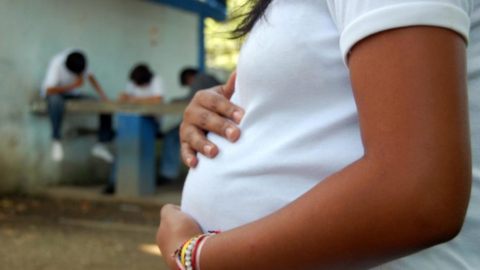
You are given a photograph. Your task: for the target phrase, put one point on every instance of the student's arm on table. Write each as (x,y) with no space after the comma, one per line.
(157,99)
(129,98)
(208,111)
(97,87)
(408,192)
(64,89)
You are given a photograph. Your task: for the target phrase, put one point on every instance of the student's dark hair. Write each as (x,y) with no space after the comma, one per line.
(141,74)
(76,62)
(249,19)
(186,73)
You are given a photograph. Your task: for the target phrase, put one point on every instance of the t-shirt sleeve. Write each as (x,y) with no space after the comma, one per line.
(359,19)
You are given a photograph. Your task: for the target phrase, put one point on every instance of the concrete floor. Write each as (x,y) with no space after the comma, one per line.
(77,229)
(165,194)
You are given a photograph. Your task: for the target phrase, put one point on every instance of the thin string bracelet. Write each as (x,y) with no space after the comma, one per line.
(187,256)
(179,264)
(177,256)
(199,250)
(195,250)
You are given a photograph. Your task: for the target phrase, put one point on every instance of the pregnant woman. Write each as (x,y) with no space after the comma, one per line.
(342,142)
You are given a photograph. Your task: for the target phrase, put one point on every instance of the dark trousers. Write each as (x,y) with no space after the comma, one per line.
(56,111)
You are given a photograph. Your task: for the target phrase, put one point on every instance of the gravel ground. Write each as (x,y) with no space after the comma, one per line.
(44,234)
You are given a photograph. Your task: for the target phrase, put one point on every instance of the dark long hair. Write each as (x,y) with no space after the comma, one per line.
(249,19)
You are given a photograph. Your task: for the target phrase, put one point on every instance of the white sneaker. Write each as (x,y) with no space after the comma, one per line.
(101,151)
(57,151)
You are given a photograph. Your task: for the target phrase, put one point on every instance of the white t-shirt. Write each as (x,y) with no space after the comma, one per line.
(154,89)
(301,123)
(59,76)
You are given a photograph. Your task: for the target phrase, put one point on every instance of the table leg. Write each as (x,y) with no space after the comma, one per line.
(135,156)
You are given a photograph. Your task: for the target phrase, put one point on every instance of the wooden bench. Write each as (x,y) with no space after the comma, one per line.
(134,167)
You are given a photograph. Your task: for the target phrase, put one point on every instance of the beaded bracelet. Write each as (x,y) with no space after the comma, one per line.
(195,249)
(182,251)
(187,256)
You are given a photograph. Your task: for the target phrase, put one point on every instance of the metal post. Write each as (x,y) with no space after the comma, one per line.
(201,43)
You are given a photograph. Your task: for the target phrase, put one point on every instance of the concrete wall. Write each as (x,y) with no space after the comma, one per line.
(116,34)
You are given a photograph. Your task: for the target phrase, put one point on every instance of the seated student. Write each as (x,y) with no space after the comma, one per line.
(146,87)
(66,73)
(196,80)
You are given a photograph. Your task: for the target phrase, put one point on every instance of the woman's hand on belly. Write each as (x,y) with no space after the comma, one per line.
(209,111)
(175,227)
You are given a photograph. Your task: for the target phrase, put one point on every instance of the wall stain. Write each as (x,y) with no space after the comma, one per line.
(13,142)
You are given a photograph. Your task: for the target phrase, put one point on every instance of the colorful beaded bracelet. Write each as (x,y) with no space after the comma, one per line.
(187,256)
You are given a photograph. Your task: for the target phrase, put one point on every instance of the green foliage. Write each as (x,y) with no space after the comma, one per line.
(222,52)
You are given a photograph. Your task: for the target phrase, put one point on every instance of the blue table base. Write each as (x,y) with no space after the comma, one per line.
(135,163)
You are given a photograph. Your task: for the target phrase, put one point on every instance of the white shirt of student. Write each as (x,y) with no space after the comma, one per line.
(301,122)
(59,76)
(154,89)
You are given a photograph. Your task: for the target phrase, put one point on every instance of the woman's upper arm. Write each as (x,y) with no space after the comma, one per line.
(411,93)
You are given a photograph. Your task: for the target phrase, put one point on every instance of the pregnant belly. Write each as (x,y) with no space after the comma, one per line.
(221,203)
(221,195)
(260,174)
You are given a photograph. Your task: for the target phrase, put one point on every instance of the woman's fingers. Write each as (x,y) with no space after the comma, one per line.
(218,103)
(209,111)
(197,140)
(210,121)
(228,89)
(188,155)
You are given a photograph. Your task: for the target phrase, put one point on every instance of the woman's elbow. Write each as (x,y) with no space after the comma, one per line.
(445,208)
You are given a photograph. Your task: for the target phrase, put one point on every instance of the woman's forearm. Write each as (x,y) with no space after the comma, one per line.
(359,217)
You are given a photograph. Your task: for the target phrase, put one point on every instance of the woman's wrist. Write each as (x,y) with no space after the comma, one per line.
(187,256)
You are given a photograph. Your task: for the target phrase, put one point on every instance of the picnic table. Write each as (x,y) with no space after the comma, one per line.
(134,168)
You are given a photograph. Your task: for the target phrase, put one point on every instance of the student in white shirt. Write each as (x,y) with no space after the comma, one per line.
(147,87)
(144,86)
(66,73)
(355,149)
